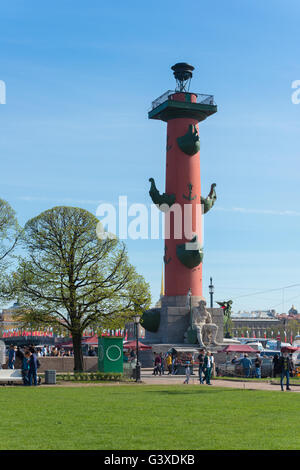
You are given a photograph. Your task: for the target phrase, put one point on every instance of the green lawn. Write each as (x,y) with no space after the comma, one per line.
(147,417)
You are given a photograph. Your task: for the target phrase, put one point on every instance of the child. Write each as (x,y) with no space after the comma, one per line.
(187,372)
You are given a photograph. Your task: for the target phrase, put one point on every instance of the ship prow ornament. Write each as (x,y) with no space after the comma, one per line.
(190,254)
(189,143)
(163,201)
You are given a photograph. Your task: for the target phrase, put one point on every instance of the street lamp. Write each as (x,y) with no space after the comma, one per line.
(211,293)
(136,319)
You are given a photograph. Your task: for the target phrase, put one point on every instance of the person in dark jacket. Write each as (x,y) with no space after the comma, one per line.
(11,357)
(32,372)
(201,365)
(275,365)
(257,364)
(285,367)
(208,364)
(246,363)
(24,366)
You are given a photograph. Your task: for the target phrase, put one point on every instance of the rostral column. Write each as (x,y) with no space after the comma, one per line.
(182,202)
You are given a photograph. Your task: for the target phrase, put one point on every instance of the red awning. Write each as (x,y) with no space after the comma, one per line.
(92,340)
(289,349)
(239,348)
(132,345)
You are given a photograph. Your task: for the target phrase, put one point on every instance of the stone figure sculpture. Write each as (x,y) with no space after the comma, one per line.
(202,328)
(210,200)
(226,306)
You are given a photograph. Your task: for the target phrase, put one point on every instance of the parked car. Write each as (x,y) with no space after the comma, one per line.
(228,369)
(269,353)
(296,358)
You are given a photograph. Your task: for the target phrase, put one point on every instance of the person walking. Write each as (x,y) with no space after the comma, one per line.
(285,366)
(157,365)
(25,367)
(246,363)
(175,364)
(32,370)
(187,372)
(213,367)
(201,366)
(207,367)
(257,365)
(275,363)
(11,357)
(169,363)
(162,364)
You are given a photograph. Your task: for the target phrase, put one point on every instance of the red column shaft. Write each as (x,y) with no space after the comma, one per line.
(181,170)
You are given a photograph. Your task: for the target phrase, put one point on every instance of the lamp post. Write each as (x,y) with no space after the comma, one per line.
(136,320)
(211,293)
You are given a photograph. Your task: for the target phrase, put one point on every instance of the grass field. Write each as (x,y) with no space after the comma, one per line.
(147,417)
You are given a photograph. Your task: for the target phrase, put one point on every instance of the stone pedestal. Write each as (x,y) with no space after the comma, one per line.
(175,319)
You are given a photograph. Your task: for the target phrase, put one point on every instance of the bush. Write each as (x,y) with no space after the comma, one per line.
(91,376)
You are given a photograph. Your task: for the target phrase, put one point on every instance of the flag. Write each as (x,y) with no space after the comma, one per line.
(278,336)
(291,339)
(265,335)
(285,336)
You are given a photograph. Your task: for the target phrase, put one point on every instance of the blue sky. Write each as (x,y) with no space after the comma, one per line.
(80,78)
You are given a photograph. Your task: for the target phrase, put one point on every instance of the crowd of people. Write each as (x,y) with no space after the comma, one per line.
(282,365)
(25,359)
(43,351)
(170,363)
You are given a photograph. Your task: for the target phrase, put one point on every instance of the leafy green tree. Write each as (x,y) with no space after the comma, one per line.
(9,233)
(71,279)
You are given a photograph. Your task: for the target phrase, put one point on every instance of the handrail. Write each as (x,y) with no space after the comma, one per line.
(200,99)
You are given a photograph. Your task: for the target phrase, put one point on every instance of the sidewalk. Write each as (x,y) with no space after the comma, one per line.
(166,379)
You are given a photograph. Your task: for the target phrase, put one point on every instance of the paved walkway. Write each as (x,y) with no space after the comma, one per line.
(165,379)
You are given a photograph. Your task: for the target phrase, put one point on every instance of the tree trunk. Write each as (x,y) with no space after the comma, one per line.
(78,357)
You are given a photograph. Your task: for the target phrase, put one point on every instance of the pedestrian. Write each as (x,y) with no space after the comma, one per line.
(187,372)
(162,364)
(32,370)
(275,363)
(285,367)
(257,365)
(234,360)
(132,355)
(11,357)
(175,363)
(201,365)
(213,367)
(91,351)
(157,364)
(246,363)
(207,367)
(25,368)
(169,363)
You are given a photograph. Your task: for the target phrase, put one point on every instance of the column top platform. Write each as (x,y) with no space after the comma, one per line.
(172,105)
